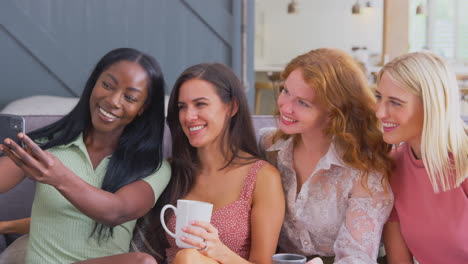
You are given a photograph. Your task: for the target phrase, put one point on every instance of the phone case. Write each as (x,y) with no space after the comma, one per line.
(10,126)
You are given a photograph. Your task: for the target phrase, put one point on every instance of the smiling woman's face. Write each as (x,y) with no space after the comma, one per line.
(401,113)
(118,96)
(202,114)
(300,111)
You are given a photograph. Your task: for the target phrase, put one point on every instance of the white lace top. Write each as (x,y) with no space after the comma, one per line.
(332,215)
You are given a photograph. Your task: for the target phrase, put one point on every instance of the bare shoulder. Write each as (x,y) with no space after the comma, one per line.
(268,187)
(268,171)
(268,176)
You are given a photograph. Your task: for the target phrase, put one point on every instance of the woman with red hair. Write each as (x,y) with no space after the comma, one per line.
(333,162)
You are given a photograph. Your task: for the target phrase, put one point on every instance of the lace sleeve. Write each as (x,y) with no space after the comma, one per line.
(359,237)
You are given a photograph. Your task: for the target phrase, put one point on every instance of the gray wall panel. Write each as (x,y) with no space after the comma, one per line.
(22,74)
(64,39)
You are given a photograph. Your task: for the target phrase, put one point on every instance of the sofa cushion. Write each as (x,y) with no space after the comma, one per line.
(2,243)
(17,202)
(16,252)
(41,104)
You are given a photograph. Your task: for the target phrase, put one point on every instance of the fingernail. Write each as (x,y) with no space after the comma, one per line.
(192,222)
(20,135)
(182,238)
(184,228)
(7,141)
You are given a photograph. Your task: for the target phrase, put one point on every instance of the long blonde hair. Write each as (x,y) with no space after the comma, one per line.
(444,142)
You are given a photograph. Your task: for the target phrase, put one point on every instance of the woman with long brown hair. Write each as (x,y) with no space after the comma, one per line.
(215,159)
(333,162)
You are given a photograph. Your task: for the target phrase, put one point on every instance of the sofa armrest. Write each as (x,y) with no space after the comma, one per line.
(16,204)
(2,243)
(33,122)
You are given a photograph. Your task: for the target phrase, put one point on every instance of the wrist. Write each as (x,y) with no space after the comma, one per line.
(64,181)
(227,256)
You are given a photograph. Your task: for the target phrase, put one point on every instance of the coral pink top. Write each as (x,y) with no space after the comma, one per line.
(434,225)
(232,220)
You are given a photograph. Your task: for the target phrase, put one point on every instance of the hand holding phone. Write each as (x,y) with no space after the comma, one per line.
(36,163)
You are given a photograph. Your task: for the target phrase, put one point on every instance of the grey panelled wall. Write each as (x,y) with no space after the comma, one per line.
(49,46)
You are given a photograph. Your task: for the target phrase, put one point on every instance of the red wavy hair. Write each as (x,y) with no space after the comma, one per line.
(341,86)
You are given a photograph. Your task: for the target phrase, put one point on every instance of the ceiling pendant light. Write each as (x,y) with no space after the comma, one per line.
(292,7)
(420,9)
(356,9)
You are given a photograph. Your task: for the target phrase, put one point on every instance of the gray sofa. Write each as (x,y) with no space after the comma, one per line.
(17,202)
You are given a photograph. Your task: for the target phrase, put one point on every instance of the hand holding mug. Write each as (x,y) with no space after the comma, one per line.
(210,245)
(186,212)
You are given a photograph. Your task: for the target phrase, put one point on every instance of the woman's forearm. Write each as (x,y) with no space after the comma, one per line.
(128,203)
(20,226)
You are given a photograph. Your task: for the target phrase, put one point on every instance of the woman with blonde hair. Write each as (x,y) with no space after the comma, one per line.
(418,103)
(332,160)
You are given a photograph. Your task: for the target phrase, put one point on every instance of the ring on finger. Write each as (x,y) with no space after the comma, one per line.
(206,246)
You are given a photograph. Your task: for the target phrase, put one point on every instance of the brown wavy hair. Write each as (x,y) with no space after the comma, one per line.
(239,148)
(341,87)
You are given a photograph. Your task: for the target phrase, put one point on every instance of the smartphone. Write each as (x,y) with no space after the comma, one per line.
(10,126)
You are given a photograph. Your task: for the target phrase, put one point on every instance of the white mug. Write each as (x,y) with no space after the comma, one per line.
(186,211)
